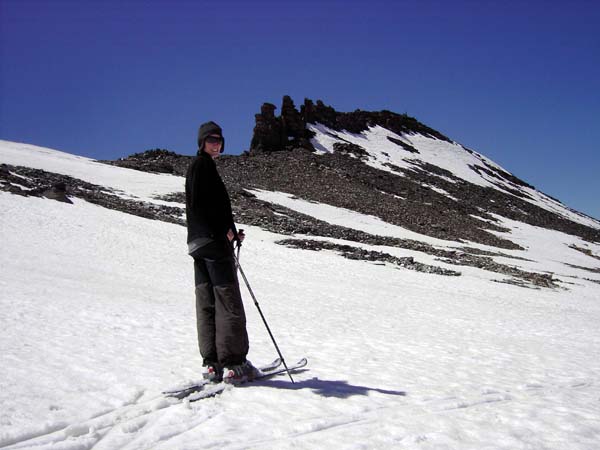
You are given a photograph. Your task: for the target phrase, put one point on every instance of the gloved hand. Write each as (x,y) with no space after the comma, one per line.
(240,236)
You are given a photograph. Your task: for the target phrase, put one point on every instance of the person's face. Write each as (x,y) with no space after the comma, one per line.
(213,144)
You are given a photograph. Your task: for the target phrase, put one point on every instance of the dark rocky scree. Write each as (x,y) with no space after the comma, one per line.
(589,269)
(404,145)
(250,210)
(340,180)
(585,251)
(282,159)
(278,219)
(359,121)
(519,277)
(39,183)
(273,135)
(477,251)
(351,252)
(351,149)
(156,161)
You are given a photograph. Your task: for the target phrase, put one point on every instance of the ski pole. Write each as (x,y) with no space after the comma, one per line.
(237,262)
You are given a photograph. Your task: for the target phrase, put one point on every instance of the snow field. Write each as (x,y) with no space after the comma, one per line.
(395,357)
(545,250)
(97,318)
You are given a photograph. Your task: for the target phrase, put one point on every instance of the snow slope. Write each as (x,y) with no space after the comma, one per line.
(547,250)
(97,317)
(129,183)
(450,156)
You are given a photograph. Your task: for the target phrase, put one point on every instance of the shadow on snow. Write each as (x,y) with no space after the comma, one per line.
(327,388)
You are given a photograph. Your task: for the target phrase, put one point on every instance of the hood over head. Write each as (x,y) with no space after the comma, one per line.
(206,129)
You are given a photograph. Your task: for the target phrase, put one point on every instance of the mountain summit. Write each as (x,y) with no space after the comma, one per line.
(381,165)
(442,302)
(396,168)
(292,128)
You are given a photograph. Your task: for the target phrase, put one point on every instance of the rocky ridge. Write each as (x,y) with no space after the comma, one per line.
(26,181)
(289,130)
(282,158)
(252,211)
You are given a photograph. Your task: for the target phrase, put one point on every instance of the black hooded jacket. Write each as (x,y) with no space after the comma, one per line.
(208,207)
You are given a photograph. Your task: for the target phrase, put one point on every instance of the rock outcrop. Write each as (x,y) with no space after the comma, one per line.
(289,131)
(286,132)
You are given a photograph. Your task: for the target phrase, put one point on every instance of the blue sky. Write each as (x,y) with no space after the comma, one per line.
(518,81)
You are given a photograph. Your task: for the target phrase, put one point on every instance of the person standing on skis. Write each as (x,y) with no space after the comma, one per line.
(220,316)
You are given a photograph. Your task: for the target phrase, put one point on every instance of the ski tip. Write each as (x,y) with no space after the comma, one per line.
(184,387)
(302,362)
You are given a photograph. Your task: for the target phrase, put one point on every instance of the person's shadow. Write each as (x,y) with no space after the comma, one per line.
(327,388)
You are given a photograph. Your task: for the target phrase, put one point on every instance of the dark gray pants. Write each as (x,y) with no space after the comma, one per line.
(220,316)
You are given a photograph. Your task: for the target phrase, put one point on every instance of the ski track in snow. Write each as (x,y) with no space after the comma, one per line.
(97,318)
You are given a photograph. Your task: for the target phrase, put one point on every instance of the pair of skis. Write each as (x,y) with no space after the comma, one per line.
(205,389)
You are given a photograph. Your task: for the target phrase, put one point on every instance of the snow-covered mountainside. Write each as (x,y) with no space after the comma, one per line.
(393,167)
(419,334)
(385,150)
